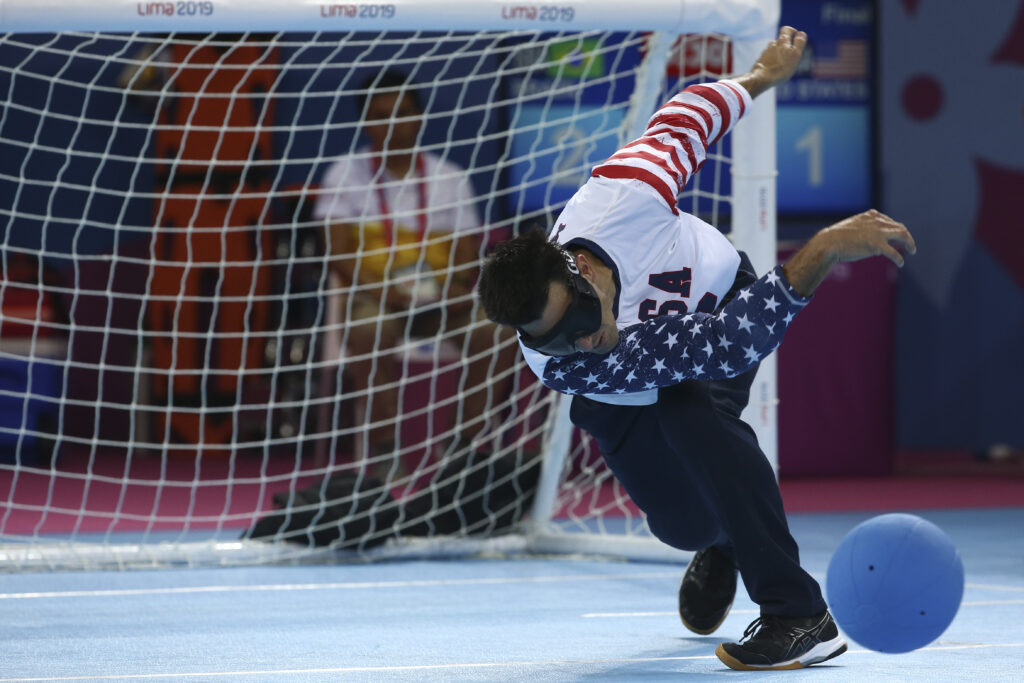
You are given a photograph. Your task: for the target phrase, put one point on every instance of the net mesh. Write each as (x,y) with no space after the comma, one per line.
(237,312)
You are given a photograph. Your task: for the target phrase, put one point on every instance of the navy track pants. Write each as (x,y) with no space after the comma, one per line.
(695,469)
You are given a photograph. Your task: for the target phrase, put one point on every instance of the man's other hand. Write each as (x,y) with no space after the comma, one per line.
(777,63)
(779,60)
(871,233)
(866,234)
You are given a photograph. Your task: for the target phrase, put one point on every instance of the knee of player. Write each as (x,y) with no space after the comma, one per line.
(678,532)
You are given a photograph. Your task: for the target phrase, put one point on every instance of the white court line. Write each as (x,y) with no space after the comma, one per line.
(989,587)
(345,585)
(358,585)
(605,615)
(446,667)
(358,669)
(613,615)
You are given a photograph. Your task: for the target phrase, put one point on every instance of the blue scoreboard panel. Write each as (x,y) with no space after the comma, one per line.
(824,119)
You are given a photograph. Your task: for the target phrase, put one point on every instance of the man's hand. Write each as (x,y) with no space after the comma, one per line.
(867,234)
(777,63)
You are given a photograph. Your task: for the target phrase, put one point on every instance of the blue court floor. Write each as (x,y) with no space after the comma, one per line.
(535,619)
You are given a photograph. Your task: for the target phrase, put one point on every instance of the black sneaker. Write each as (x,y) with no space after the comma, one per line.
(784,643)
(707,590)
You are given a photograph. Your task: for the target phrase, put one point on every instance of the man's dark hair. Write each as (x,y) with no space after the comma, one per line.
(515,278)
(388,82)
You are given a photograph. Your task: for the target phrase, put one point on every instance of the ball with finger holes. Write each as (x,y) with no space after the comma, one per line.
(895,583)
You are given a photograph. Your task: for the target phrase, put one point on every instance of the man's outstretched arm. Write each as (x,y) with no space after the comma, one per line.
(858,237)
(674,146)
(666,350)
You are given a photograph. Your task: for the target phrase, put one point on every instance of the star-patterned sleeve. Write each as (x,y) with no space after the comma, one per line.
(666,350)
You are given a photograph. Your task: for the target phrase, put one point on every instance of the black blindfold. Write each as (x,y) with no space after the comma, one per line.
(581,318)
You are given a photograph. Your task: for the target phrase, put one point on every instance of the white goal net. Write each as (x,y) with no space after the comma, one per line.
(237,261)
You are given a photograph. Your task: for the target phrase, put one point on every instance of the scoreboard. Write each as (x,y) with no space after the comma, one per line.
(824,117)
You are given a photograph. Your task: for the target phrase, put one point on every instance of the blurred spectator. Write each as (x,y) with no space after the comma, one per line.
(404,241)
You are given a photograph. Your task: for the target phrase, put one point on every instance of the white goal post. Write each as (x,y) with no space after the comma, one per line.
(202,243)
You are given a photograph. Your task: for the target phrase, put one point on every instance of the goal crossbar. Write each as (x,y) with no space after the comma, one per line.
(739,18)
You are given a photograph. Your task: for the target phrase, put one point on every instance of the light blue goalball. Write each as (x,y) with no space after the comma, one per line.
(895,583)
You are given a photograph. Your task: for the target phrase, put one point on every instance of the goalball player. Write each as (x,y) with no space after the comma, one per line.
(655,324)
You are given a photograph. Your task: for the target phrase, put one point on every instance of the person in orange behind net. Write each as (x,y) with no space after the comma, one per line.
(211,99)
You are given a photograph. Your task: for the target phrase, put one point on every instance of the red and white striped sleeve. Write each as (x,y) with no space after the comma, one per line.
(676,141)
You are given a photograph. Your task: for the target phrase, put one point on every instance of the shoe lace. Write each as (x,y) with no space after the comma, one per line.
(766,622)
(754,626)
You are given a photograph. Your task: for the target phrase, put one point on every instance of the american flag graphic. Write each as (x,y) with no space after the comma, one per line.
(850,62)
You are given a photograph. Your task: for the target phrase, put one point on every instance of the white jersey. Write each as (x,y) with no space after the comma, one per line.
(354,189)
(399,220)
(665,262)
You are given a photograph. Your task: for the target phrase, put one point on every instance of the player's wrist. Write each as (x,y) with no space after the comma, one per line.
(756,81)
(811,264)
